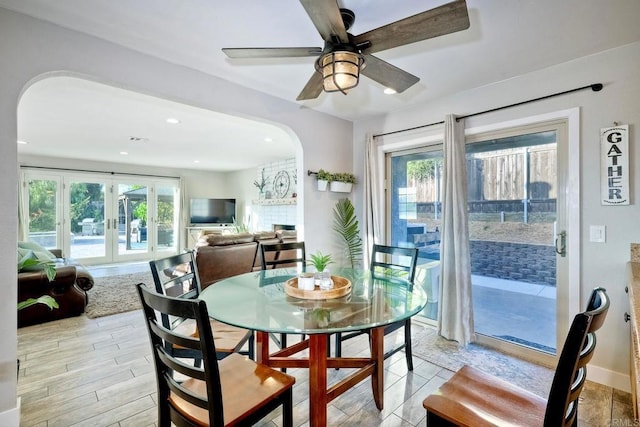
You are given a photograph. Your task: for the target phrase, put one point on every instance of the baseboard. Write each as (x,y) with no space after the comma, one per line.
(11,417)
(609,378)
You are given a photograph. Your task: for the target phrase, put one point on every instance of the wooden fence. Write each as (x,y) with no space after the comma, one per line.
(501,175)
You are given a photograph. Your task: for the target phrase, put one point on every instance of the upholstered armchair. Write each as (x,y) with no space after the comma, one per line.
(69,289)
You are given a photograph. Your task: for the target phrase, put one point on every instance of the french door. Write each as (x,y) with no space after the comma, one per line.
(100,219)
(516,189)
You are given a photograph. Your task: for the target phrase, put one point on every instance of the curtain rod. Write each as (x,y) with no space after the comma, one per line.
(596,87)
(103,172)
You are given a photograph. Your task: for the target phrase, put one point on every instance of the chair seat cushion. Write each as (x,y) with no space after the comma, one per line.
(245,386)
(474,398)
(226,338)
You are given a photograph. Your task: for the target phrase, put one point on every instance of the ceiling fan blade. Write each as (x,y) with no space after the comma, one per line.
(388,75)
(326,16)
(312,89)
(271,52)
(445,19)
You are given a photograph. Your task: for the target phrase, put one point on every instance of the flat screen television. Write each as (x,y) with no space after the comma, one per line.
(212,211)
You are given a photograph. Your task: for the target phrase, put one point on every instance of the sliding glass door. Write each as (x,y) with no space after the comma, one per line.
(42,209)
(514,195)
(87,214)
(132,219)
(512,201)
(415,219)
(99,219)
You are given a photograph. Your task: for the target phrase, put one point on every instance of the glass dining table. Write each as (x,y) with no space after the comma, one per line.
(262,301)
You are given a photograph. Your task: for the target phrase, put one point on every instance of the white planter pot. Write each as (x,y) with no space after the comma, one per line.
(341,187)
(322,185)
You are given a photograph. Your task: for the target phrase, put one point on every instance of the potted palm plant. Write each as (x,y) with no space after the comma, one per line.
(345,224)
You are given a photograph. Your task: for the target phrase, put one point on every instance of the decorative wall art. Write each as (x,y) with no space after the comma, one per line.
(614,165)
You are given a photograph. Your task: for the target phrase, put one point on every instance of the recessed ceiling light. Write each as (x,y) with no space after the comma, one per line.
(173,121)
(196,161)
(389,91)
(22,142)
(138,139)
(124,153)
(268,139)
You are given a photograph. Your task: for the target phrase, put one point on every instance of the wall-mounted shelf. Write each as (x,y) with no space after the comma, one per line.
(274,202)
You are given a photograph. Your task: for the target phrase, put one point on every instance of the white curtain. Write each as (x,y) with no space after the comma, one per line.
(373,198)
(455,309)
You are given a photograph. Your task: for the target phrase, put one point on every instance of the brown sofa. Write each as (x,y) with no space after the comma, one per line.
(219,256)
(69,289)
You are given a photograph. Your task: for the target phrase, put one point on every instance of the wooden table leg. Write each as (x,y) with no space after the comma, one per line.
(377,377)
(318,380)
(262,347)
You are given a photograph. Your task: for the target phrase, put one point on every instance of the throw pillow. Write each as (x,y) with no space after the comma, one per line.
(41,253)
(28,261)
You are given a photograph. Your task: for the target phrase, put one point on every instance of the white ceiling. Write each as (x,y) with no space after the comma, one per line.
(80,119)
(506,38)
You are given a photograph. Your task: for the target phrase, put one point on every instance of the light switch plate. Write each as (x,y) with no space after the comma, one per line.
(597,233)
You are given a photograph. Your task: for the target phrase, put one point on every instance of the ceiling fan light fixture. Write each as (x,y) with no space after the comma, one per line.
(340,70)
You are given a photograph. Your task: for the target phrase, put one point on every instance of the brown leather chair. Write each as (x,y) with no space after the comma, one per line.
(69,289)
(474,398)
(232,391)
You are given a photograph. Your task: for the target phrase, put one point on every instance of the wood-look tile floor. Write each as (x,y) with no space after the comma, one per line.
(99,372)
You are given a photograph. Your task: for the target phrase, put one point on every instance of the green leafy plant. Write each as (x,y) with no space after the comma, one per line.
(344,177)
(320,261)
(323,175)
(50,270)
(48,266)
(345,224)
(240,226)
(45,299)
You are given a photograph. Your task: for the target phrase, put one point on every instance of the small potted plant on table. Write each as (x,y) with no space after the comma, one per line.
(320,263)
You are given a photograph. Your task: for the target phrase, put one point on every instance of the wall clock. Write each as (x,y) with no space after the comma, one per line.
(281,184)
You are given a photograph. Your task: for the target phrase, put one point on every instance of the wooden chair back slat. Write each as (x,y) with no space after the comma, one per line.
(276,255)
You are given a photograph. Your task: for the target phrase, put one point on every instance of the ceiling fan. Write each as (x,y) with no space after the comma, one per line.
(344,56)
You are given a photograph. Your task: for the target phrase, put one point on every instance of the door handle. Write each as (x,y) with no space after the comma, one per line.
(561,243)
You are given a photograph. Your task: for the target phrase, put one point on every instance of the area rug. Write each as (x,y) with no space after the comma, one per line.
(115,294)
(428,345)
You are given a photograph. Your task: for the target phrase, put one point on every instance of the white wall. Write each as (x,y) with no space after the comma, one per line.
(601,264)
(30,49)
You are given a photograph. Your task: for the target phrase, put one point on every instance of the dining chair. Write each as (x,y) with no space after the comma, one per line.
(475,398)
(177,276)
(281,255)
(233,391)
(390,262)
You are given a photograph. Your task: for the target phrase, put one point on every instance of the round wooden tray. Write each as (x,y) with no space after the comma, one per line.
(341,287)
